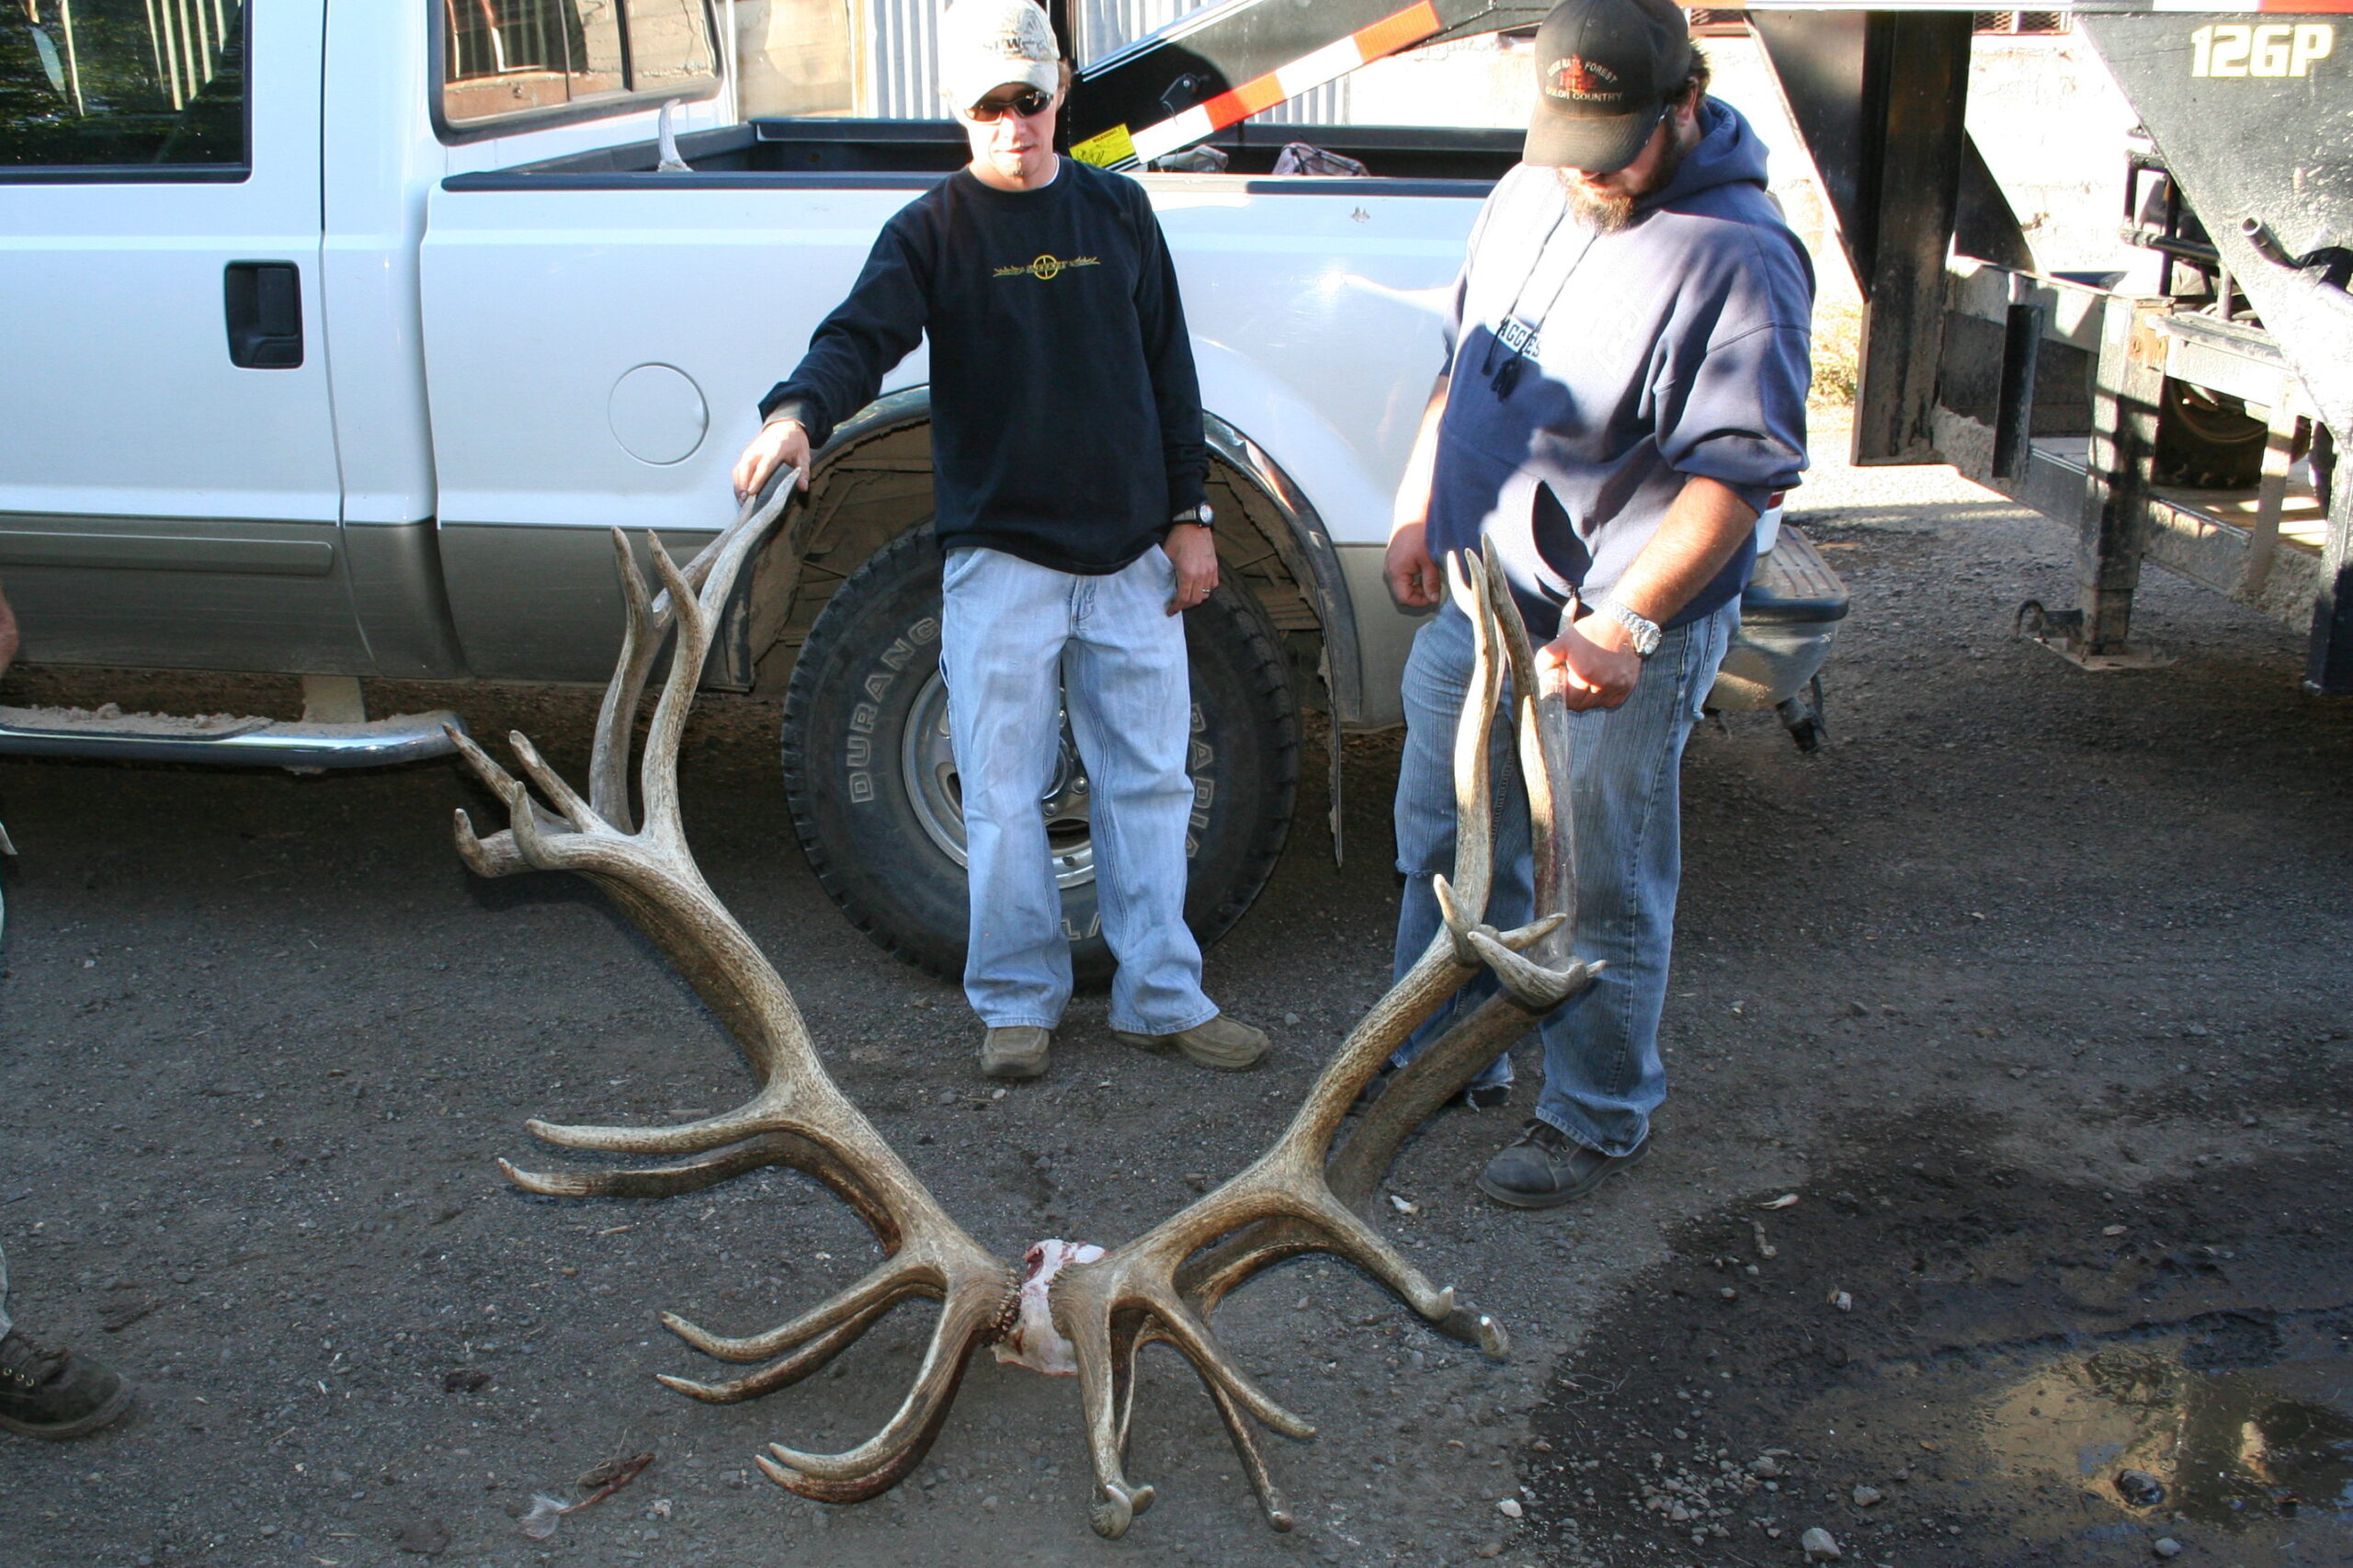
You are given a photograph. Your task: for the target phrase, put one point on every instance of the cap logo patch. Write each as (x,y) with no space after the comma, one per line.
(1582,81)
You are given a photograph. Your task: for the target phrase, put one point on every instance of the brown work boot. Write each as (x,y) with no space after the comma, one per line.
(1018,1052)
(1223,1043)
(54,1393)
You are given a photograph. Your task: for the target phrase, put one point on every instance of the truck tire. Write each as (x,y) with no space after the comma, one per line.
(870,777)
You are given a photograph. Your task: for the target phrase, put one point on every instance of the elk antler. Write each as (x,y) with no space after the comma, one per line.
(798,1116)
(1075,1309)
(1163,1286)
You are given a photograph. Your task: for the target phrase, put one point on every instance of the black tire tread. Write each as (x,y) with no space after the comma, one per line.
(798,694)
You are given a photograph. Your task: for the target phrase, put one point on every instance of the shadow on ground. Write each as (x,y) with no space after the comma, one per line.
(1937,1355)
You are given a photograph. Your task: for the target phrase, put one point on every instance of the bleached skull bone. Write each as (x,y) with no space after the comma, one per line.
(1033,1341)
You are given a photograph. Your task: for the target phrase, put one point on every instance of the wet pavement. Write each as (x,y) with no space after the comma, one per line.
(1944,1359)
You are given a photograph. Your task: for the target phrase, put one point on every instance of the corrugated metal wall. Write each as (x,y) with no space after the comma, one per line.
(904,59)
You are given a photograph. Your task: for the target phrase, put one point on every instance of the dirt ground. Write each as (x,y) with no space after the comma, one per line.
(2031,987)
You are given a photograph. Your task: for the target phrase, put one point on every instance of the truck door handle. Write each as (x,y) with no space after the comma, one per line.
(264,301)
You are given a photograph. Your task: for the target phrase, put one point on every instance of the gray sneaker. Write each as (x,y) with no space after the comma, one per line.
(1544,1168)
(1018,1052)
(1223,1043)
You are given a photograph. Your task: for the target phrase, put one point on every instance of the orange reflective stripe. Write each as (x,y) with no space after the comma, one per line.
(1393,33)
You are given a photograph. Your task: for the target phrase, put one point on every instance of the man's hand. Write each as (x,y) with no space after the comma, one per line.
(1414,578)
(1591,665)
(780,443)
(1192,550)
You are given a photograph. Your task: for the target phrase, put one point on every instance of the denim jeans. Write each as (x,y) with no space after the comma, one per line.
(1602,1075)
(1009,629)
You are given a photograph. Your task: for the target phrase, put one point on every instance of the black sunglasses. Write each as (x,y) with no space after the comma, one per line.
(1027,105)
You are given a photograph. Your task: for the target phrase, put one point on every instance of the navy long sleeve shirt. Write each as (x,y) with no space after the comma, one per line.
(1067,418)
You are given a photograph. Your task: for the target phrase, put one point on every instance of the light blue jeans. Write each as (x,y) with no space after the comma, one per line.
(1602,1075)
(1010,628)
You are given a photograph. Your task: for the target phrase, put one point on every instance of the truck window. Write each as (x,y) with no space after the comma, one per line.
(506,61)
(133,88)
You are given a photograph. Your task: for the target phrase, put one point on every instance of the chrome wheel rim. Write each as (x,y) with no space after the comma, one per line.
(928,763)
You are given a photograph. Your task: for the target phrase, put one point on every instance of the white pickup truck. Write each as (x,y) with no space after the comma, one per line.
(339,336)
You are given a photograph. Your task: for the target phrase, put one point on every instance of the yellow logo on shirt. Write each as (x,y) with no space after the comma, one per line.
(1046,268)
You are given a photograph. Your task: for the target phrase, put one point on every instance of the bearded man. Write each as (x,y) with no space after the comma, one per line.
(1627,362)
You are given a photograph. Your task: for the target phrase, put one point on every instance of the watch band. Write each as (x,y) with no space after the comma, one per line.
(1644,631)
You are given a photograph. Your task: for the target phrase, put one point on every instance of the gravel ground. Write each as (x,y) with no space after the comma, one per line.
(2024,955)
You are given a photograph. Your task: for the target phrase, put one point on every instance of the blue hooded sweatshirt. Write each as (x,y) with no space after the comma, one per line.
(1676,345)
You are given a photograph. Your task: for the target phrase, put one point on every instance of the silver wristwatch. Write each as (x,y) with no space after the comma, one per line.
(1644,633)
(1200,515)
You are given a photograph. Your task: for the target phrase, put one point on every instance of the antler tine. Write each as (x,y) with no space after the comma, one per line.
(1246,1450)
(1423,1085)
(1542,719)
(1129,1335)
(1106,1353)
(647,617)
(642,632)
(890,1281)
(1473,829)
(1117,1505)
(497,855)
(786,1370)
(757,1115)
(657,766)
(669,1181)
(695,605)
(877,1464)
(574,811)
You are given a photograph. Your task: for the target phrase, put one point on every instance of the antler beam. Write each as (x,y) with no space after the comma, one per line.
(1163,1286)
(798,1118)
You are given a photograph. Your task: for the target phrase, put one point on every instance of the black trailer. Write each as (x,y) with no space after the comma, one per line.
(2195,429)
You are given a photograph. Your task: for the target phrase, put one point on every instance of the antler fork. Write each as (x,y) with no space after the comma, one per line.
(1163,1286)
(798,1116)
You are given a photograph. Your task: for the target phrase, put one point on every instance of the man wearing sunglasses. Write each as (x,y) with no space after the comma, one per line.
(1628,359)
(1069,467)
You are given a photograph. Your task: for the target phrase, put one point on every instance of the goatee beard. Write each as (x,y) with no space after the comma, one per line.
(1603,213)
(1606,212)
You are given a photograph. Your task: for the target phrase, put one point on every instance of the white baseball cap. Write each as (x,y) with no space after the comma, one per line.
(986,44)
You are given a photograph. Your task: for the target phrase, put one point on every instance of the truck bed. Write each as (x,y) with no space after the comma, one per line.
(936,147)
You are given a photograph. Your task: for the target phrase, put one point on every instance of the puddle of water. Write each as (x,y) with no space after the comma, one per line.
(2150,1432)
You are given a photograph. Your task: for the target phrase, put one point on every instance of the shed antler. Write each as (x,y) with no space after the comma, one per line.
(1077,1309)
(798,1116)
(1164,1286)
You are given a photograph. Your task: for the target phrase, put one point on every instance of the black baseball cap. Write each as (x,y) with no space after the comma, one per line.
(1604,72)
